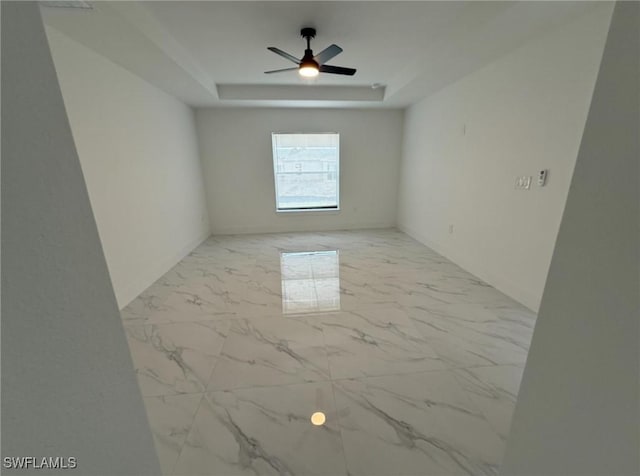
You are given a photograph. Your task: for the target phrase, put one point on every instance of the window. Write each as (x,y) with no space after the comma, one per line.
(306,171)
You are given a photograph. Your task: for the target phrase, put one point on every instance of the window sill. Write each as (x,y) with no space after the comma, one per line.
(309,210)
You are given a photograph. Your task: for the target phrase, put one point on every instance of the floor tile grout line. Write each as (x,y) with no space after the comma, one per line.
(219,356)
(485,417)
(338,379)
(188,321)
(448,369)
(193,420)
(338,418)
(335,401)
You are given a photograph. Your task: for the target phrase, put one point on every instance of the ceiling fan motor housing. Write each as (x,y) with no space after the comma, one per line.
(307,59)
(308,32)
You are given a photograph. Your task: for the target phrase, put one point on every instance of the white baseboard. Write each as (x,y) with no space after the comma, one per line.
(502,284)
(131,291)
(527,299)
(297,229)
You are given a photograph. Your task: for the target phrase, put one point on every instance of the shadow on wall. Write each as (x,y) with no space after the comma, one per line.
(68,388)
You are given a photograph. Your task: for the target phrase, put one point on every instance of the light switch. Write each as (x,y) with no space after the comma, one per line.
(542,177)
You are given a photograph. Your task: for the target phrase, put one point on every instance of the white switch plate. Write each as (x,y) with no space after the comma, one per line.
(542,177)
(523,182)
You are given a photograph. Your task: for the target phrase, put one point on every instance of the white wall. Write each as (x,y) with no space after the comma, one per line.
(68,385)
(238,166)
(465,145)
(139,156)
(577,411)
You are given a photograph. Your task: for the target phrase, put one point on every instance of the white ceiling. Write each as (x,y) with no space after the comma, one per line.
(214,53)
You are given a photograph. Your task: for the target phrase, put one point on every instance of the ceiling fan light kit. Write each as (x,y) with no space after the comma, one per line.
(309,66)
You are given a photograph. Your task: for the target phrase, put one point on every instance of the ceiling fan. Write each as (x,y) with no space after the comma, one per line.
(309,66)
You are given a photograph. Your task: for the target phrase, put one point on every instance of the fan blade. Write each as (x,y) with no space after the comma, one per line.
(325,68)
(326,54)
(280,70)
(284,54)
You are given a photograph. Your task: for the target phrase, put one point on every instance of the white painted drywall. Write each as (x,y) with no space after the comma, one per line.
(68,385)
(465,145)
(139,155)
(578,408)
(238,165)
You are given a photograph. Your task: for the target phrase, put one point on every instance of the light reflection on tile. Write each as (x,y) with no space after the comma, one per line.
(310,282)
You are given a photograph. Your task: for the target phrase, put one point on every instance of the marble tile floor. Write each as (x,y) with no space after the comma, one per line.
(414,363)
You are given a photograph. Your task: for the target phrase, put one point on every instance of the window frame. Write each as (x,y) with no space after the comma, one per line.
(321,209)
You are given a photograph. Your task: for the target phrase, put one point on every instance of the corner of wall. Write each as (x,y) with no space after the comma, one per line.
(127,294)
(524,297)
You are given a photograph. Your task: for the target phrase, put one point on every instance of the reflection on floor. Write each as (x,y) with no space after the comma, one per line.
(413,363)
(310,281)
